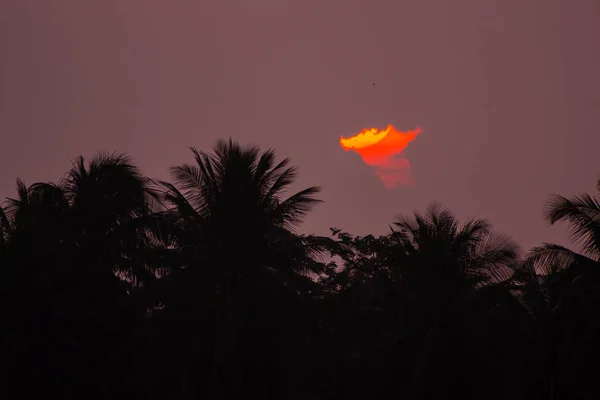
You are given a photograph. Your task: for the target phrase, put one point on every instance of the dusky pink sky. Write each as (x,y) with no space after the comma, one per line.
(507,93)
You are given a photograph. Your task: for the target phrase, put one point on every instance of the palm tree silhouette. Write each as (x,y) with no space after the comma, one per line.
(67,249)
(236,237)
(441,264)
(568,283)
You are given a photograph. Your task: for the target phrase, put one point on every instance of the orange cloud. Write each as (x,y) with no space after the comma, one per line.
(382,150)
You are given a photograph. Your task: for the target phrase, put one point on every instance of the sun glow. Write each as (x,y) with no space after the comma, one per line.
(383,150)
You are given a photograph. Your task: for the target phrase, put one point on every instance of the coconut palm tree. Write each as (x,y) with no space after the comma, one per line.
(236,236)
(569,282)
(72,251)
(442,267)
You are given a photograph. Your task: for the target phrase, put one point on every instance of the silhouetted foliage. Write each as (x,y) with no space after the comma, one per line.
(114,285)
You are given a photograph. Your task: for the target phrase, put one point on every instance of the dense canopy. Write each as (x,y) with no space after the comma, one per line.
(117,286)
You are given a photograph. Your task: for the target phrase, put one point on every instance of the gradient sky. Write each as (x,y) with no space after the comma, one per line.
(507,93)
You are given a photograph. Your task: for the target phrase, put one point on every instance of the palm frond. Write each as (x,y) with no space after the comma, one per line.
(550,258)
(410,225)
(75,176)
(281,182)
(441,220)
(320,247)
(496,250)
(211,174)
(173,196)
(583,215)
(496,275)
(473,230)
(189,179)
(291,211)
(154,195)
(263,166)
(15,208)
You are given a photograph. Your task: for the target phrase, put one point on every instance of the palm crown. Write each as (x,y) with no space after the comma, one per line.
(436,240)
(229,204)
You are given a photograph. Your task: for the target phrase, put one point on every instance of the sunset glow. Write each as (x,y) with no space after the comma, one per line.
(383,150)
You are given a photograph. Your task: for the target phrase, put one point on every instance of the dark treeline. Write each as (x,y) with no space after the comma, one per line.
(116,286)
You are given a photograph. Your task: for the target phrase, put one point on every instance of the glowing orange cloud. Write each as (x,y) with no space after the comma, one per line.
(382,150)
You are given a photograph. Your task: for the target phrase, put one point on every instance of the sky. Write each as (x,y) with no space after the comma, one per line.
(507,94)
